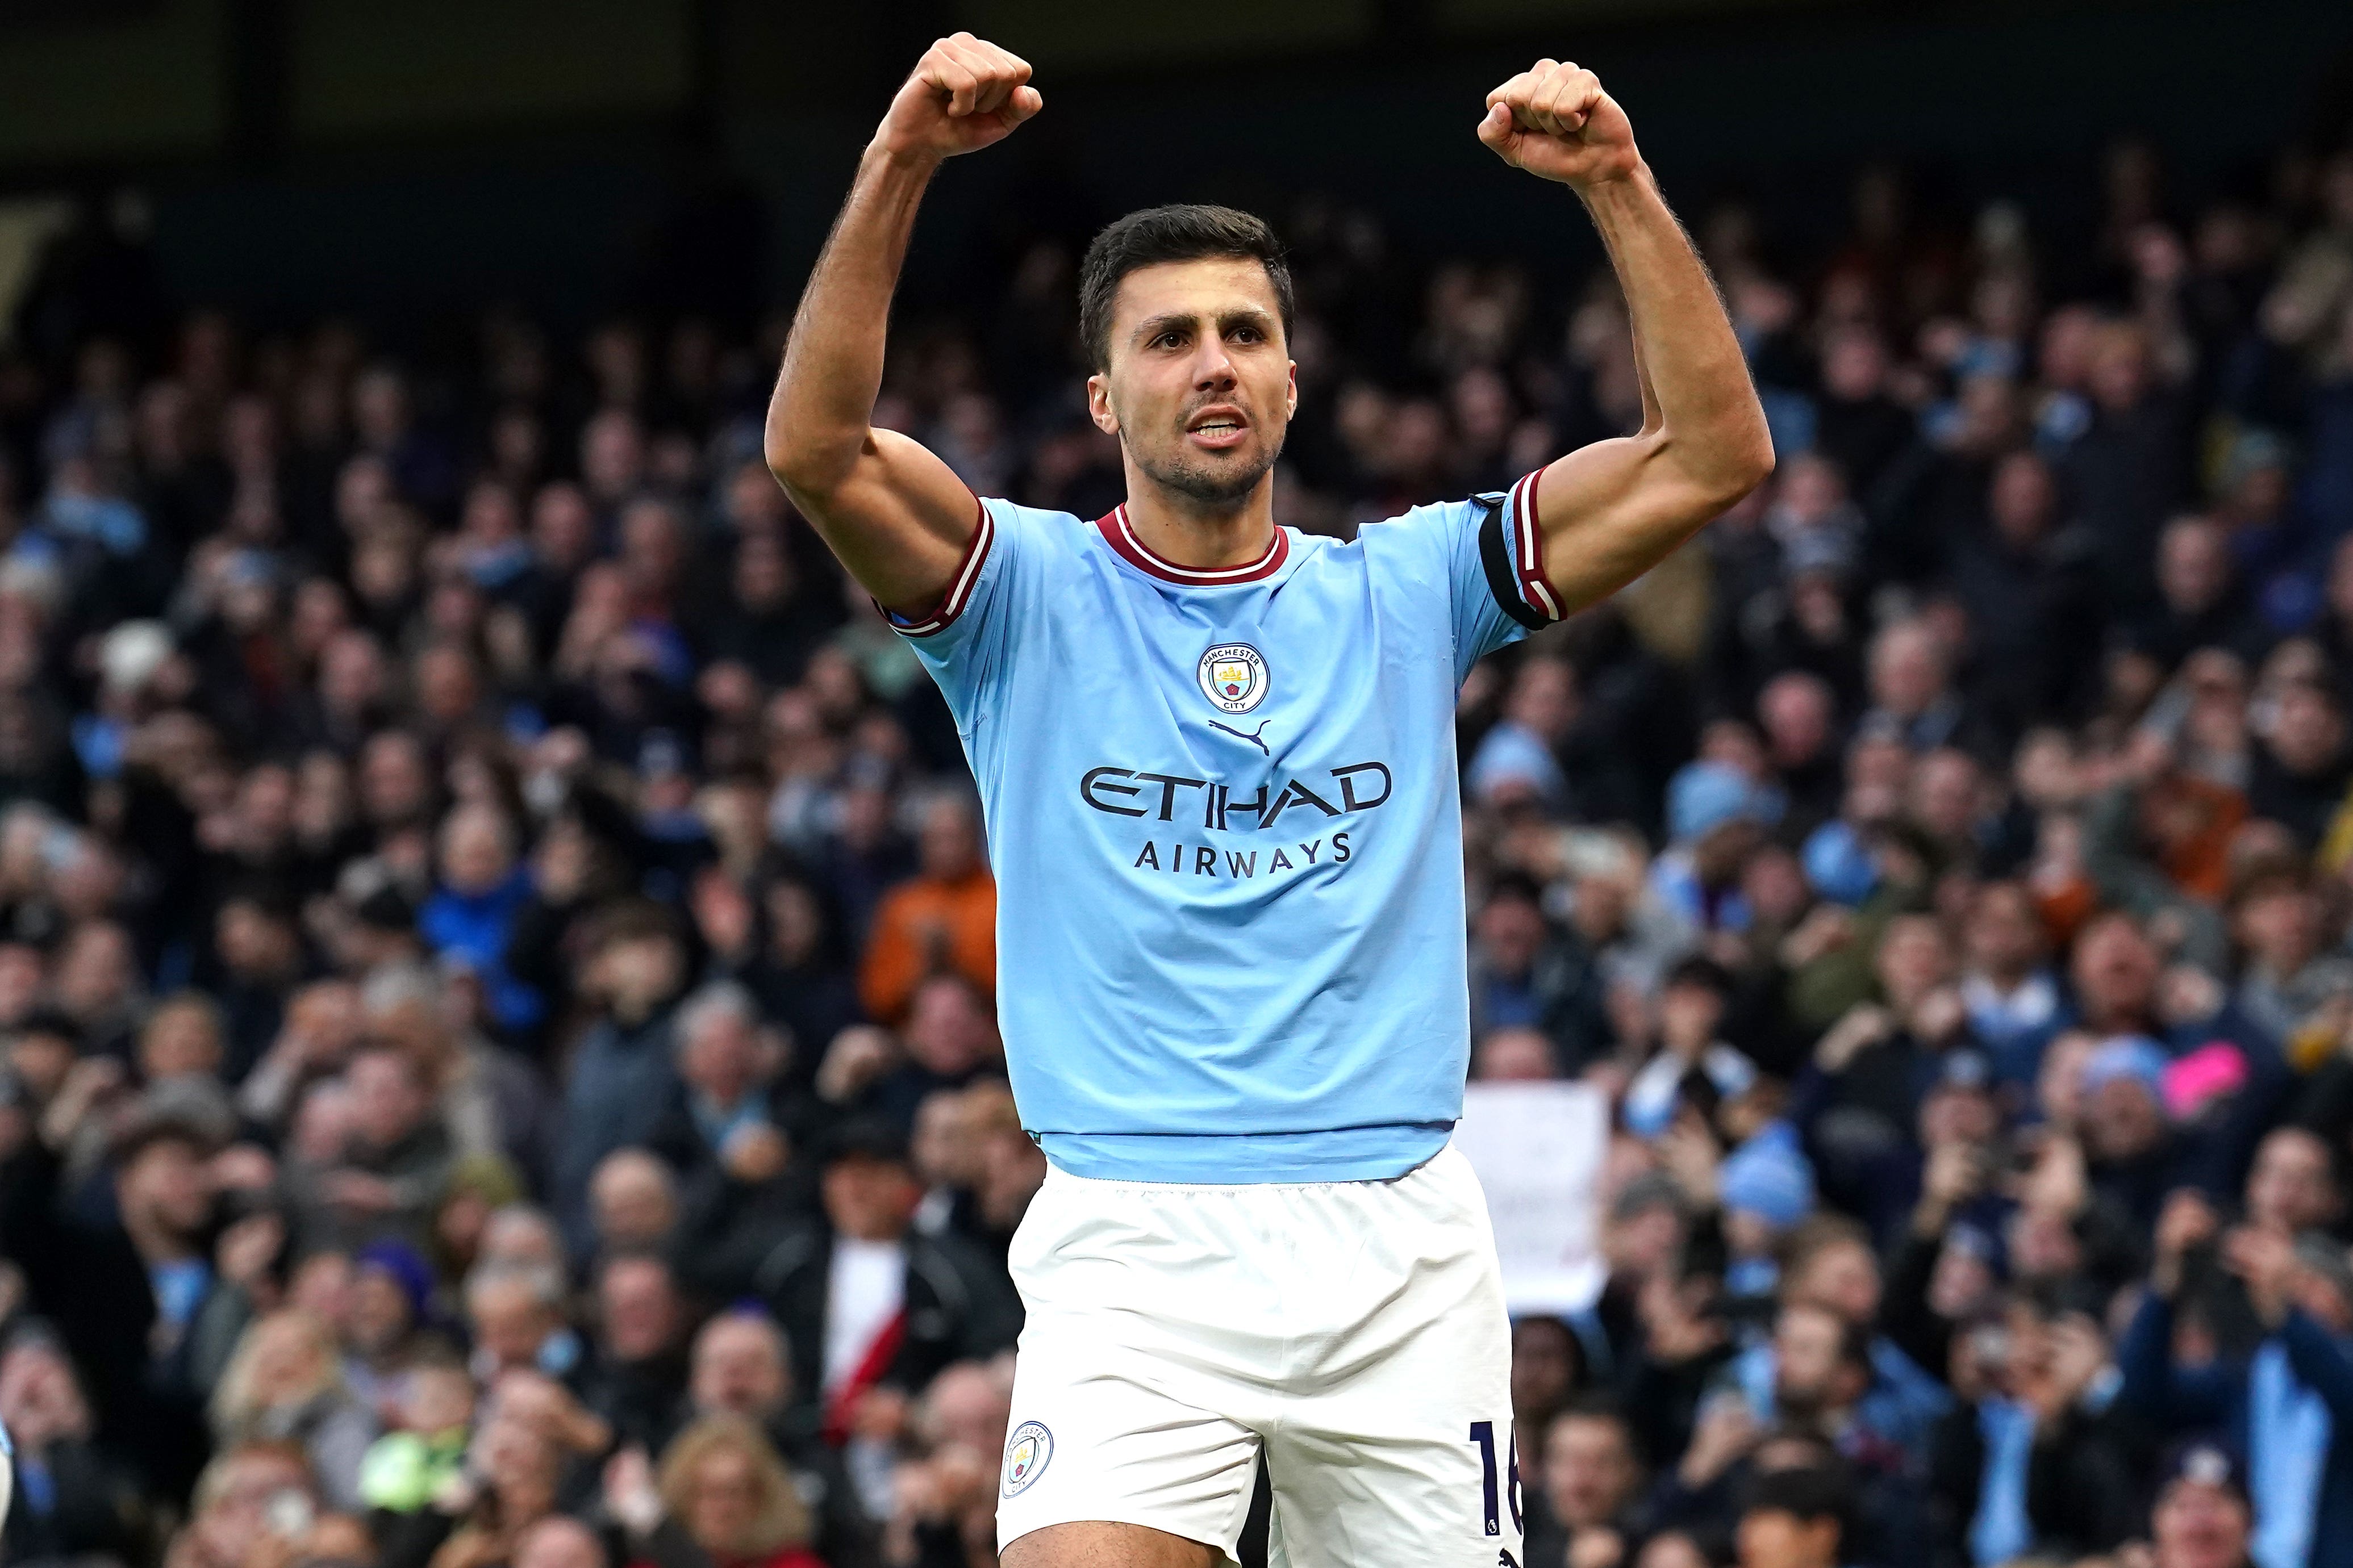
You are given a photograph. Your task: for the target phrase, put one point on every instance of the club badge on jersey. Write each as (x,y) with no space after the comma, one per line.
(1233,676)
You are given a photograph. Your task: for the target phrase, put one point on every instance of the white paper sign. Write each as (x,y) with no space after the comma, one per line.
(1538,1150)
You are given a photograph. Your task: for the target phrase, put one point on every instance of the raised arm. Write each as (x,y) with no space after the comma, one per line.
(897,516)
(1608,512)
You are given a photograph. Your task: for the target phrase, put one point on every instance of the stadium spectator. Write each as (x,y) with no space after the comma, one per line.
(71,1499)
(944,918)
(1583,1512)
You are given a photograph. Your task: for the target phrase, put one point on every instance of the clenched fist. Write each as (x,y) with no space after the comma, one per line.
(964,95)
(1552,120)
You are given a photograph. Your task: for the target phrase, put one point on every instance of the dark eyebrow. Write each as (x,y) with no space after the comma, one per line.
(1153,326)
(1244,316)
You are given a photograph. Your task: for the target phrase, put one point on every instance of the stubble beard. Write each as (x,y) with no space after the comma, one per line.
(1208,482)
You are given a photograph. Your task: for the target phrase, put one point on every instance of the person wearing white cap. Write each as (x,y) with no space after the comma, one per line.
(2201,1516)
(2283,1408)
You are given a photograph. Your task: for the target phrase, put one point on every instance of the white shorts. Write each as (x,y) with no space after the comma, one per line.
(1355,1331)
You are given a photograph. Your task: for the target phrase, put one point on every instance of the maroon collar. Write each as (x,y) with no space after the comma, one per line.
(1122,538)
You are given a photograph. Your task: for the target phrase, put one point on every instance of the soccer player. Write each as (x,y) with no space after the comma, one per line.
(1217,763)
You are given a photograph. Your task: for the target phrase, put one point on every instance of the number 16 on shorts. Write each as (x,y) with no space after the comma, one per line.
(1495,1492)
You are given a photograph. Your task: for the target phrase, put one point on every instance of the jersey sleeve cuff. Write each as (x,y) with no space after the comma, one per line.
(942,615)
(1511,550)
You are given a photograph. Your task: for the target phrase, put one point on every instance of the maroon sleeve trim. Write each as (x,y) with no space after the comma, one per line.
(959,594)
(1527,549)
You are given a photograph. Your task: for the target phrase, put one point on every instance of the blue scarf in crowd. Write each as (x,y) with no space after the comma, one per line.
(2002,1532)
(2288,1431)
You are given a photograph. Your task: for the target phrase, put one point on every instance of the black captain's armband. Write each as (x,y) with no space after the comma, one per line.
(1495,556)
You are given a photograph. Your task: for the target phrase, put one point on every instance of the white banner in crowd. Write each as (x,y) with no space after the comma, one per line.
(1538,1149)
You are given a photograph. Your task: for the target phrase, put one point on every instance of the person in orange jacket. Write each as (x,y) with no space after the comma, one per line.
(944,917)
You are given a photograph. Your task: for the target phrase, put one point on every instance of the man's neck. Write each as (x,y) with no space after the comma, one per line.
(874,1238)
(155,1245)
(1202,535)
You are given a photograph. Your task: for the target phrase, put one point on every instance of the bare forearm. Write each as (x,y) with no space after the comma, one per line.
(1698,401)
(1641,371)
(820,418)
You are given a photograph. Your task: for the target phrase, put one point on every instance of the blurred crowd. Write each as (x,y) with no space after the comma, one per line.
(496,941)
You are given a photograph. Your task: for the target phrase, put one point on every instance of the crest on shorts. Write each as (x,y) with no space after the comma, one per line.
(1025,1453)
(1233,676)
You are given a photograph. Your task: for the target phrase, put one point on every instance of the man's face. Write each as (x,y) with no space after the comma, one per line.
(1805,1359)
(169,1186)
(640,1309)
(1201,386)
(1907,673)
(386,1101)
(949,1029)
(2196,1525)
(1796,713)
(2116,971)
(2023,498)
(2194,567)
(868,1199)
(2122,1119)
(394,784)
(559,1541)
(1589,1471)
(475,856)
(2307,731)
(737,1371)
(1772,1538)
(41,1060)
(1911,960)
(640,973)
(721,1057)
(2290,1188)
(510,1323)
(1841,1278)
(632,1205)
(1543,1364)
(379,1309)
(1511,931)
(2005,932)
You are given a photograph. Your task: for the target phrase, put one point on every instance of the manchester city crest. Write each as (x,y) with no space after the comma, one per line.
(1233,676)
(1026,1455)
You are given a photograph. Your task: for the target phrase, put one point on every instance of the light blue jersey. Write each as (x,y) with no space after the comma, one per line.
(1223,814)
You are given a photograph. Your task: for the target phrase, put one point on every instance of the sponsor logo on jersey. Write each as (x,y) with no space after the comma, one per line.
(1233,676)
(1166,797)
(1025,1453)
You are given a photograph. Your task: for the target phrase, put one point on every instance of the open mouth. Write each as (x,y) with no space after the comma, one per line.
(1217,428)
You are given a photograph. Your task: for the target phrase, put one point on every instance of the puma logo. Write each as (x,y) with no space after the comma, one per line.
(1503,1559)
(1253,737)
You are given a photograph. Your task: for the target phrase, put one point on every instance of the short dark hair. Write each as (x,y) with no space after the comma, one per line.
(1699,970)
(1185,231)
(1817,1234)
(148,1130)
(632,920)
(1804,1492)
(1602,1409)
